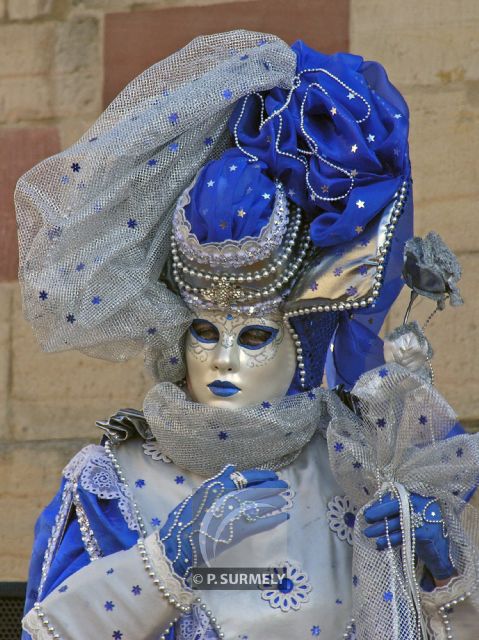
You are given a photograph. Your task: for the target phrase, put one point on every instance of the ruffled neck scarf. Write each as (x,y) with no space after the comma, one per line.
(204,439)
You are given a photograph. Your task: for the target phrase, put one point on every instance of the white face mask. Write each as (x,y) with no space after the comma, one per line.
(235,360)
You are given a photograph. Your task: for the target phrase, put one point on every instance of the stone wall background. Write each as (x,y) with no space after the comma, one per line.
(60,60)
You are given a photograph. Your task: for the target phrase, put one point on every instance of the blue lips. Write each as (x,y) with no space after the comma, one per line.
(223,389)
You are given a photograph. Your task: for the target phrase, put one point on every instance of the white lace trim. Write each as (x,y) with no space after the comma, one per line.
(455,590)
(164,569)
(92,469)
(152,449)
(236,253)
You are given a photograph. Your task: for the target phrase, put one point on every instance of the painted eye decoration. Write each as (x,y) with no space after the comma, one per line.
(204,331)
(256,336)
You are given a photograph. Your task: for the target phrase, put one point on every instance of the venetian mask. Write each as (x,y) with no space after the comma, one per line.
(236,360)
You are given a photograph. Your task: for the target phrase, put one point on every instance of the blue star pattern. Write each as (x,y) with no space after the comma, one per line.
(152,162)
(422,419)
(208,141)
(70,318)
(140,483)
(179,479)
(173,118)
(109,605)
(337,272)
(136,590)
(174,360)
(311,395)
(459,452)
(351,291)
(388,596)
(355,581)
(96,300)
(338,446)
(357,465)
(383,372)
(132,223)
(222,435)
(155,522)
(266,404)
(75,167)
(43,295)
(174,146)
(339,601)
(64,179)
(151,331)
(117,635)
(227,94)
(381,423)
(80,266)
(315,630)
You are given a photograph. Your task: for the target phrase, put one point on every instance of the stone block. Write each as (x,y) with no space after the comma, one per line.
(128,36)
(454,335)
(25,99)
(30,475)
(444,163)
(432,42)
(61,395)
(20,149)
(77,45)
(6,295)
(28,9)
(26,49)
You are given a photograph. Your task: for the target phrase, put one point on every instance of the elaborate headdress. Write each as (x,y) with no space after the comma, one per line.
(242,174)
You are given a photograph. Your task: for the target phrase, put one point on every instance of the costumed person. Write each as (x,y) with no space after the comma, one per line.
(241,211)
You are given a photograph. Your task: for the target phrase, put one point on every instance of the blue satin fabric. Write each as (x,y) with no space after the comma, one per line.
(231,199)
(334,93)
(356,346)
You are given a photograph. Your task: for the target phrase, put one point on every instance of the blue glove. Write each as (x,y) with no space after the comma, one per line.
(432,541)
(219,515)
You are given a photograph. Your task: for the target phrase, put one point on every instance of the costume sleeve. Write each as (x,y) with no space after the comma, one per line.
(91,576)
(117,597)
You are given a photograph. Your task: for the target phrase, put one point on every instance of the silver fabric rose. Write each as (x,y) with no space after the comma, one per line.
(431,269)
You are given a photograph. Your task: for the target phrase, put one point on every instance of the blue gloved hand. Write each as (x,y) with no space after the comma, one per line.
(219,515)
(432,541)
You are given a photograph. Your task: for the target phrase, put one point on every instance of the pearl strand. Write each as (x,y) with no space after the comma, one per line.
(45,622)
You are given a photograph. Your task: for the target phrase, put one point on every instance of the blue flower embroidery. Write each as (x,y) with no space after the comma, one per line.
(222,435)
(75,167)
(459,452)
(132,223)
(152,162)
(174,146)
(227,94)
(140,483)
(311,395)
(43,295)
(383,372)
(70,318)
(136,590)
(117,635)
(96,300)
(174,360)
(422,419)
(173,118)
(80,266)
(109,605)
(208,142)
(266,404)
(355,581)
(293,588)
(155,522)
(338,446)
(315,630)
(179,479)
(381,422)
(151,331)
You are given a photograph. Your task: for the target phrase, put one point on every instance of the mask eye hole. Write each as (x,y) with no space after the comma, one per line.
(256,336)
(204,331)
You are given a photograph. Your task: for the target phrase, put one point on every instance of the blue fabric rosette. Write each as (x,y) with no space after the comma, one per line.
(337,140)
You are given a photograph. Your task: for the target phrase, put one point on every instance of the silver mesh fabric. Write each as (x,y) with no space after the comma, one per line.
(401,437)
(95,220)
(269,435)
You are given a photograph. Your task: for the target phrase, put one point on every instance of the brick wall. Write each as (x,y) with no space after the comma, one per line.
(61,61)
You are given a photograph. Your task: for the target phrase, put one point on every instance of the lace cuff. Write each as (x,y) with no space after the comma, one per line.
(161,570)
(437,605)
